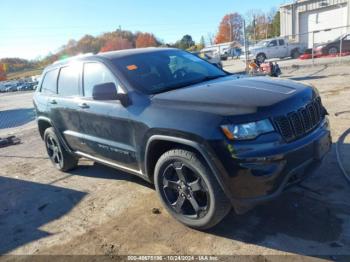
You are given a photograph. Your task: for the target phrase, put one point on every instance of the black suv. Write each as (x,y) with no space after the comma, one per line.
(207,139)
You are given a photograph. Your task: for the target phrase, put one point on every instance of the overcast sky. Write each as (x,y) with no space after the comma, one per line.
(32,28)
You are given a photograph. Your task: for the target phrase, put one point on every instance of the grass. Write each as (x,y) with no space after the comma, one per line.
(23,74)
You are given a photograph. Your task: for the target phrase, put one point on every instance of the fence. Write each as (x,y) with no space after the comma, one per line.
(329,42)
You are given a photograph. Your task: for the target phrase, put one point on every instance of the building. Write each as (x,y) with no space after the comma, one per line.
(318,20)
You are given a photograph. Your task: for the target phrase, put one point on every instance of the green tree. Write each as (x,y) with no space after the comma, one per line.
(185,43)
(275,25)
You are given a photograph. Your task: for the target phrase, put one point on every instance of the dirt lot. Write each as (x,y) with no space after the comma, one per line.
(98,210)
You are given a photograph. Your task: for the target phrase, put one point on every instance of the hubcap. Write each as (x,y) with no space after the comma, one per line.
(185,191)
(54,150)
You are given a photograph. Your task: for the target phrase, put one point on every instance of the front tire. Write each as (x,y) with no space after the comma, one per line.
(60,158)
(189,191)
(333,50)
(261,58)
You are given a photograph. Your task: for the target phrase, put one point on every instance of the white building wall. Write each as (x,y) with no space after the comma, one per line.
(303,16)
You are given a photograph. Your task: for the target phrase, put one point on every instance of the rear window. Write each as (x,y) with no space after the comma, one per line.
(281,42)
(50,82)
(68,80)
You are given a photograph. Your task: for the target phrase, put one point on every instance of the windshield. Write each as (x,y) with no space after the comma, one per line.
(161,71)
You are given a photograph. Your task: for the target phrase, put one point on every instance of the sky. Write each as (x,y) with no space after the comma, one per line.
(32,28)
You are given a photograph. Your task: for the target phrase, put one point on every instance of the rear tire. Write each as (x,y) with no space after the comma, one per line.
(60,158)
(295,54)
(189,191)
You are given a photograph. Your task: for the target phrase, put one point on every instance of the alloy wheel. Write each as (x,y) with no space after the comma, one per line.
(54,151)
(184,190)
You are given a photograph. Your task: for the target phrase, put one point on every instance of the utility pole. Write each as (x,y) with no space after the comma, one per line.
(230,22)
(245,46)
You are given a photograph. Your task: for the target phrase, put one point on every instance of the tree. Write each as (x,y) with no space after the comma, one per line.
(262,25)
(116,43)
(230,29)
(275,26)
(201,44)
(145,40)
(89,44)
(185,43)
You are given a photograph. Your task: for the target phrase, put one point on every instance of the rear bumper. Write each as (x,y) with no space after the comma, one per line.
(258,173)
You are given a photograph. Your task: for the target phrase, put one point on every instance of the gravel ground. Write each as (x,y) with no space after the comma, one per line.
(98,210)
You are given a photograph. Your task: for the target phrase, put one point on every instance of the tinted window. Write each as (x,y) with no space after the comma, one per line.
(50,82)
(281,42)
(273,43)
(68,80)
(160,71)
(95,74)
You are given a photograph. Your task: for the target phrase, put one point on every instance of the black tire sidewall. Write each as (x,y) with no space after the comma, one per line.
(204,173)
(263,56)
(68,161)
(51,133)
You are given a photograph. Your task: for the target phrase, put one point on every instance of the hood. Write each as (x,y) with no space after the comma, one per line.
(232,95)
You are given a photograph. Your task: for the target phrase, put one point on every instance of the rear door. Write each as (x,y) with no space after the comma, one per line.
(65,106)
(105,124)
(282,48)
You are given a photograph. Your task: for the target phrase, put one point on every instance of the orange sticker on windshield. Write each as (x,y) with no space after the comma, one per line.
(131,67)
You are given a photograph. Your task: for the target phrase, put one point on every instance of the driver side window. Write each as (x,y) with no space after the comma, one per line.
(95,74)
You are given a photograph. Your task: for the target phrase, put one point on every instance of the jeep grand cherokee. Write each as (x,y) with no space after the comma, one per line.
(208,140)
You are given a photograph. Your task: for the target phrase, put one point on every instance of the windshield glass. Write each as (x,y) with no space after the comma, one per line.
(161,71)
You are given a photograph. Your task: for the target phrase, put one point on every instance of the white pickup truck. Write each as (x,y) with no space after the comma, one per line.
(273,48)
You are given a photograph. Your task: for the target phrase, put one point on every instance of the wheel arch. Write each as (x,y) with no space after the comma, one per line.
(43,124)
(160,144)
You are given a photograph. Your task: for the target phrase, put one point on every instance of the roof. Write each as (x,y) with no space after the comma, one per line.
(110,55)
(134,51)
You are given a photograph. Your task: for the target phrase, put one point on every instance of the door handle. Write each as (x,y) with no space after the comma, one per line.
(83,105)
(53,102)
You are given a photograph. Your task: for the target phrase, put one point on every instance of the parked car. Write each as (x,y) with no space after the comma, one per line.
(11,88)
(273,48)
(207,139)
(212,58)
(333,47)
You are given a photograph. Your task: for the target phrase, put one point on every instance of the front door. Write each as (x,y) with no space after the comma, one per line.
(105,124)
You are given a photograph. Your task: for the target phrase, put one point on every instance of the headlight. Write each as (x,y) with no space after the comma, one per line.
(247,131)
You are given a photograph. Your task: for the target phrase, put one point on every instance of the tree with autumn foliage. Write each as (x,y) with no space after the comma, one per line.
(230,29)
(116,43)
(145,40)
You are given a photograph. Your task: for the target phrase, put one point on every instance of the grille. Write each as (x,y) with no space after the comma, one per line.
(297,124)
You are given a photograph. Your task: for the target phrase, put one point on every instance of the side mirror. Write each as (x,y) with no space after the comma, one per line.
(105,91)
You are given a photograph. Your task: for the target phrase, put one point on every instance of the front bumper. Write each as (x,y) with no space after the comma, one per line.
(260,172)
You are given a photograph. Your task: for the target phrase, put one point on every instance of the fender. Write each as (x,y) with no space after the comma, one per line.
(60,137)
(218,173)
